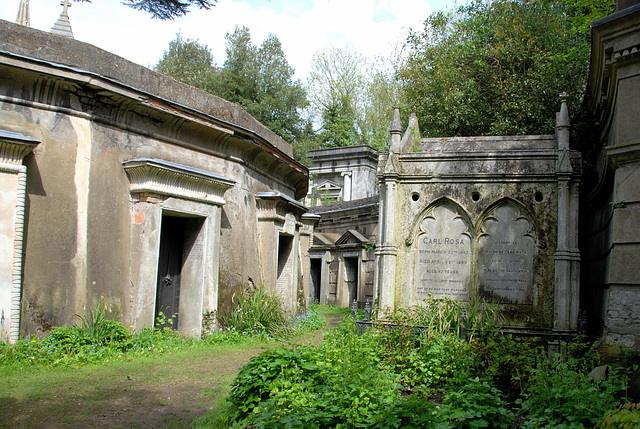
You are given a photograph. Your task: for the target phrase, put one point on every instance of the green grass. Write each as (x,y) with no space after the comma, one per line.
(334,311)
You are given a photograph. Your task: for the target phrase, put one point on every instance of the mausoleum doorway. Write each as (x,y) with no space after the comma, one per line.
(285,266)
(316,280)
(351,278)
(180,262)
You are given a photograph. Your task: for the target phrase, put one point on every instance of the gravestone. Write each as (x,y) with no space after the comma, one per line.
(506,252)
(490,217)
(445,255)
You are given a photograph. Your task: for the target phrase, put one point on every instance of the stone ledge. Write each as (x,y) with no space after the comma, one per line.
(164,178)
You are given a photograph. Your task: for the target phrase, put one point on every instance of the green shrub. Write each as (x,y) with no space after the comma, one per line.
(561,396)
(96,325)
(256,380)
(256,311)
(435,362)
(335,383)
(444,314)
(509,361)
(627,416)
(477,404)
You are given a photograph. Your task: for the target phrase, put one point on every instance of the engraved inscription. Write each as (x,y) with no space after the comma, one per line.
(444,255)
(506,252)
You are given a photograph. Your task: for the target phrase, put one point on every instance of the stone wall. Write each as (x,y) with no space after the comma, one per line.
(342,174)
(122,151)
(611,238)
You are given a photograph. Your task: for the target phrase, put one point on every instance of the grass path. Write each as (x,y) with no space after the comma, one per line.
(164,391)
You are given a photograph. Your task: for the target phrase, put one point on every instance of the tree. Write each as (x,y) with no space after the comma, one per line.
(352,97)
(335,83)
(338,125)
(260,79)
(189,62)
(257,78)
(494,68)
(166,9)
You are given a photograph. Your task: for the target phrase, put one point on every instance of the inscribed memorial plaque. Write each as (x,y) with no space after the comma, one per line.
(444,255)
(506,251)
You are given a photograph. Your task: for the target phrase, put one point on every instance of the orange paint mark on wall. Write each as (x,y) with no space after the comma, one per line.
(137,215)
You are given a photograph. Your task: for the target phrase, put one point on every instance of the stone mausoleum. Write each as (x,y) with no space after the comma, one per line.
(344,200)
(119,183)
(482,217)
(610,239)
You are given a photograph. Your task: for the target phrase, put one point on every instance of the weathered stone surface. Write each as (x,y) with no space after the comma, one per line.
(342,174)
(623,269)
(79,55)
(93,230)
(626,225)
(506,253)
(502,210)
(445,255)
(611,241)
(623,316)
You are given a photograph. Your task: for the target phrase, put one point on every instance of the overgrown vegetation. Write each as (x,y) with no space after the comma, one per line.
(389,378)
(258,316)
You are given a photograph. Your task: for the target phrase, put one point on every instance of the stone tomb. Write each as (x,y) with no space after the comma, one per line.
(482,217)
(445,255)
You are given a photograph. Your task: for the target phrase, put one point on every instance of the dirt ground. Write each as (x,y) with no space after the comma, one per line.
(168,394)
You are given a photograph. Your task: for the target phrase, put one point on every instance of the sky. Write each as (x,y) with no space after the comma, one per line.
(371,27)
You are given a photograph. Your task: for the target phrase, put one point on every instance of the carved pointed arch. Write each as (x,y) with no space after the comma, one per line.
(443,251)
(507,245)
(419,226)
(523,214)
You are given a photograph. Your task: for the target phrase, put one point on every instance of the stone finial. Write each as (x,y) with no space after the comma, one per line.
(395,131)
(563,123)
(23,14)
(412,134)
(62,26)
(563,119)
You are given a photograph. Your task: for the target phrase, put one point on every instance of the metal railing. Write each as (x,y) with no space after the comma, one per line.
(465,334)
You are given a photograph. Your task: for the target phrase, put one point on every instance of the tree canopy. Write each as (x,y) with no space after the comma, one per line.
(258,78)
(166,9)
(352,97)
(486,67)
(495,67)
(188,61)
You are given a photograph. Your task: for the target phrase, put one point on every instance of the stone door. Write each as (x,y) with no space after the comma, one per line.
(285,277)
(170,261)
(351,279)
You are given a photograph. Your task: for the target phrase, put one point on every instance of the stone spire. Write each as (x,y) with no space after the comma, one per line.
(23,14)
(62,27)
(563,125)
(395,131)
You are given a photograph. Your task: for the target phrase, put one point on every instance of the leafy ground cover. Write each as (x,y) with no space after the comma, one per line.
(388,378)
(99,374)
(382,379)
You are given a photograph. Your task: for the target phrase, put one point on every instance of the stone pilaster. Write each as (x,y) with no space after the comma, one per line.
(13,180)
(567,257)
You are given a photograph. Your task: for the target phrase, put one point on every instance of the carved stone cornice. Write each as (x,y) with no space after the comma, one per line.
(276,204)
(168,179)
(13,148)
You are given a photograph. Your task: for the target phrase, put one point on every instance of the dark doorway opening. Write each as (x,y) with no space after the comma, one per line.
(316,280)
(170,262)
